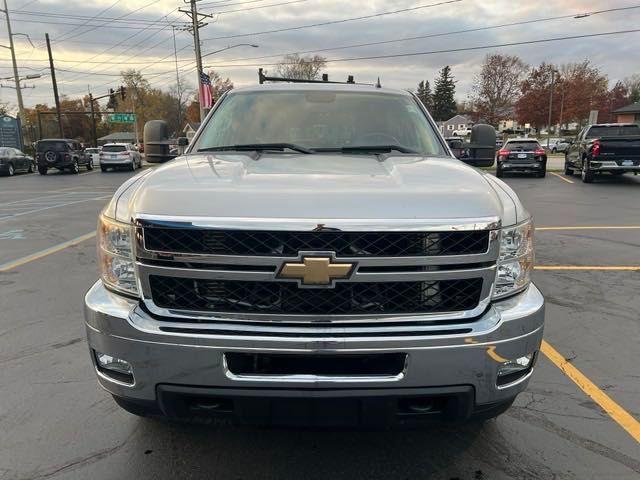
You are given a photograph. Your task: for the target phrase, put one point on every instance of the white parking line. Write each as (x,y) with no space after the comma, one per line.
(28,212)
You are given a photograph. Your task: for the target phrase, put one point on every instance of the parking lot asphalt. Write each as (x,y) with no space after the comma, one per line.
(56,423)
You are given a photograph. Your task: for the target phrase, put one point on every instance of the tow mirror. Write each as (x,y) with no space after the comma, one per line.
(183,141)
(481,150)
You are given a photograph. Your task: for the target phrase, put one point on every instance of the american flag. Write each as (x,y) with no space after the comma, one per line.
(206,99)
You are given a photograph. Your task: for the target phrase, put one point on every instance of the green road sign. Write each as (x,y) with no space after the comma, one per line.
(122,117)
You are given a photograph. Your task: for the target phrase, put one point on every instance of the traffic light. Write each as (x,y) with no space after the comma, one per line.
(112,103)
(123,92)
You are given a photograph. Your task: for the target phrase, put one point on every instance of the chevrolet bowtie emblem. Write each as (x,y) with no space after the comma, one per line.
(318,271)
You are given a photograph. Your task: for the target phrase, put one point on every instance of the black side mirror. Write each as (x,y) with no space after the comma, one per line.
(183,141)
(481,150)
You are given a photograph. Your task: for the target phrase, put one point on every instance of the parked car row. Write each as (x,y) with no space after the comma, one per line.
(69,155)
(13,160)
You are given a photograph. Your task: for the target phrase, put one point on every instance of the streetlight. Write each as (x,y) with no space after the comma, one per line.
(230,47)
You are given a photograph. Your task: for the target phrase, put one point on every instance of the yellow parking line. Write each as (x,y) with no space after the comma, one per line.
(615,411)
(564,179)
(590,227)
(612,268)
(5,267)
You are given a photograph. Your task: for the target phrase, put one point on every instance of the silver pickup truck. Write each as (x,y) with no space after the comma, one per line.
(317,257)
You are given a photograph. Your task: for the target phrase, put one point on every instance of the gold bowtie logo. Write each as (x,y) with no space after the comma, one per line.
(316,271)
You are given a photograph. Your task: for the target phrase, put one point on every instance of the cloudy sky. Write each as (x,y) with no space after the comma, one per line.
(93,41)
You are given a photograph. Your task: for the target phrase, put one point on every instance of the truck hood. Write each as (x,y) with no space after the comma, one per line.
(318,186)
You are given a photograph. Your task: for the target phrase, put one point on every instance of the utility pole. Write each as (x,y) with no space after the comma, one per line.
(94,132)
(15,65)
(178,86)
(196,24)
(553,72)
(55,86)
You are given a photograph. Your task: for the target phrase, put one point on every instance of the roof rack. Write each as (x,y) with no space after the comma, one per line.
(325,79)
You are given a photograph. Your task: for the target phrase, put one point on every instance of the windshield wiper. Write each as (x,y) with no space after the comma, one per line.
(368,149)
(256,147)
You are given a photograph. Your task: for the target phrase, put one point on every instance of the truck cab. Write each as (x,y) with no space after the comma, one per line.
(318,256)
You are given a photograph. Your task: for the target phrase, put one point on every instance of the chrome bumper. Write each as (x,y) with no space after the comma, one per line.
(120,327)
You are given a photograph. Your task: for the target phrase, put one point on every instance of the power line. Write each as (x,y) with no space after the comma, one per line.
(334,22)
(259,7)
(450,50)
(85,17)
(131,27)
(94,17)
(432,35)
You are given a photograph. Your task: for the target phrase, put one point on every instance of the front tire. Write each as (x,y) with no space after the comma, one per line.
(30,169)
(42,170)
(90,165)
(103,168)
(587,174)
(11,171)
(75,168)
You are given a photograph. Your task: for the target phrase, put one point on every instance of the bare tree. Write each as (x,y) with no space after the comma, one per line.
(633,86)
(301,68)
(497,87)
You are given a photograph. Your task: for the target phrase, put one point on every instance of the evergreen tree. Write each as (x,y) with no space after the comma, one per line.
(425,95)
(444,103)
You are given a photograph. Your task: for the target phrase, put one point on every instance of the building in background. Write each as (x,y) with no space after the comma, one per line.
(455,124)
(628,114)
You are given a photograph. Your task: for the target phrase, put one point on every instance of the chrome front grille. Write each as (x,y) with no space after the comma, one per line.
(405,273)
(288,244)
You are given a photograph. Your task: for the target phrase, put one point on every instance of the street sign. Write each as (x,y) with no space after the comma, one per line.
(122,117)
(10,134)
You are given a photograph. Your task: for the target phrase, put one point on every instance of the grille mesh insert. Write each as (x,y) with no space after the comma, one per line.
(288,244)
(232,296)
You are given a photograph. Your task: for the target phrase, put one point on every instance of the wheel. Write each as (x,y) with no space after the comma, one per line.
(542,174)
(135,408)
(75,168)
(90,165)
(567,169)
(132,167)
(587,173)
(103,168)
(499,172)
(42,170)
(30,169)
(617,174)
(553,150)
(11,172)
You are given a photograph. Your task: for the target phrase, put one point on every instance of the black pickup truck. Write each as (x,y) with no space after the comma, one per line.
(604,148)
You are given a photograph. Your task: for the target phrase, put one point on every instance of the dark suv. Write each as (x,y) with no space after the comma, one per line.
(522,155)
(62,154)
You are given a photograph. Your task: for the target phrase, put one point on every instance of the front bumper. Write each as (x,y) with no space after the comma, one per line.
(443,364)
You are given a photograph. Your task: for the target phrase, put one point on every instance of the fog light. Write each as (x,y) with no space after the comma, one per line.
(114,367)
(511,370)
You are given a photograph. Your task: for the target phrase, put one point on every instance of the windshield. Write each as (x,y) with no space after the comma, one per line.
(92,150)
(44,145)
(5,152)
(114,148)
(613,131)
(524,146)
(320,120)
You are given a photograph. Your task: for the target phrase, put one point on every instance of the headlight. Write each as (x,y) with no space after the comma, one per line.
(515,263)
(115,255)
